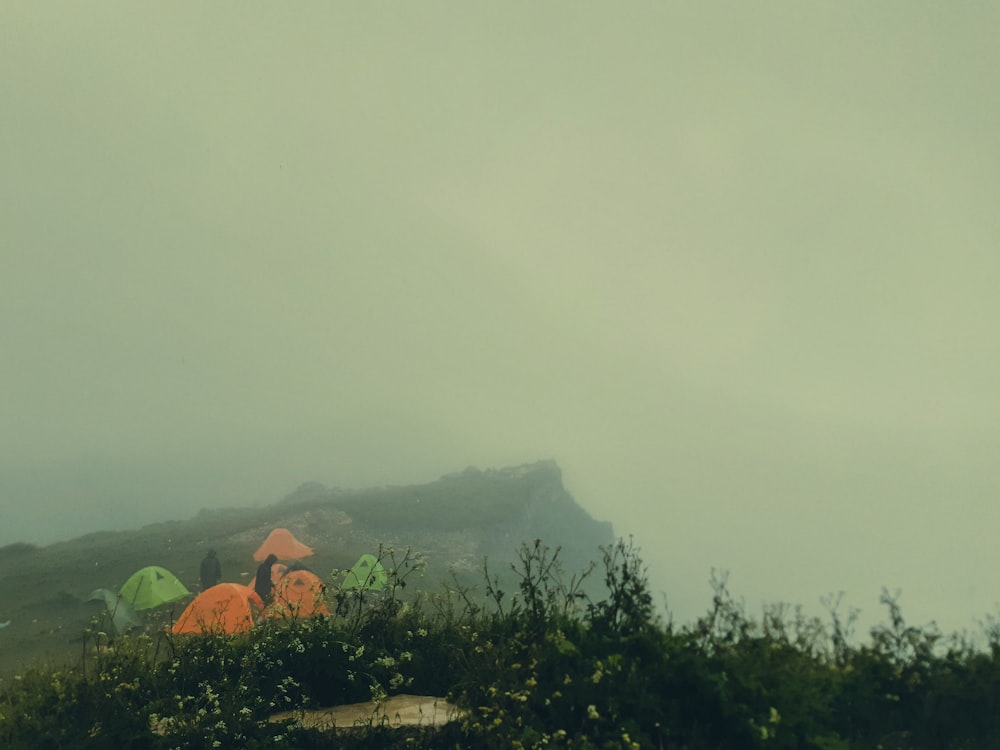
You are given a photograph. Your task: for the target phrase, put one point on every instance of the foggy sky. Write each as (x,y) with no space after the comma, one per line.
(732,265)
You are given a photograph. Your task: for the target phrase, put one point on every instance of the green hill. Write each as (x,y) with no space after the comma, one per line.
(454,522)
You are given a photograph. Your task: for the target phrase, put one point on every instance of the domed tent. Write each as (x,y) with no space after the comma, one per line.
(224,608)
(367,574)
(282,544)
(298,593)
(122,614)
(151,587)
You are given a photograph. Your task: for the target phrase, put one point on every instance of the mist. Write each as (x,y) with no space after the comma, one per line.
(732,267)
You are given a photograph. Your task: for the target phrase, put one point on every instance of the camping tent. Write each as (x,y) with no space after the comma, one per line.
(152,586)
(298,593)
(282,544)
(367,574)
(225,608)
(122,614)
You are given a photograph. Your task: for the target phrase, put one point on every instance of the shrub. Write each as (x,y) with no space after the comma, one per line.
(542,666)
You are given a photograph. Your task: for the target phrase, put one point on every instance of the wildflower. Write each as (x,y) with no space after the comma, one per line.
(592,712)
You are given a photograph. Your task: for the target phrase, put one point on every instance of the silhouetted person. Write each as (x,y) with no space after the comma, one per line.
(263,585)
(211,571)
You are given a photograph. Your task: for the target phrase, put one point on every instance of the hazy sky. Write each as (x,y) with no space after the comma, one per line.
(733,265)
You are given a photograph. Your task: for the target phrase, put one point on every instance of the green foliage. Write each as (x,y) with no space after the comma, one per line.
(543,665)
(628,607)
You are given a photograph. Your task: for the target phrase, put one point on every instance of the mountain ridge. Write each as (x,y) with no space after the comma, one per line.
(454,522)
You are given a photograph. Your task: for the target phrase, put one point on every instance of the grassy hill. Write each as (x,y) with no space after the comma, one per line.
(540,667)
(454,523)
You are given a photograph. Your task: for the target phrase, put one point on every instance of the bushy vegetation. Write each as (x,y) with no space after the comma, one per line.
(541,665)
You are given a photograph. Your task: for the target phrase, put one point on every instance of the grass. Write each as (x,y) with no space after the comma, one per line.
(454,523)
(539,665)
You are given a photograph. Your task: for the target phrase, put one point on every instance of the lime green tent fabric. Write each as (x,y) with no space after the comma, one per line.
(367,574)
(152,586)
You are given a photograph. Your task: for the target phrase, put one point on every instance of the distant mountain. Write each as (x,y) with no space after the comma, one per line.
(454,522)
(493,511)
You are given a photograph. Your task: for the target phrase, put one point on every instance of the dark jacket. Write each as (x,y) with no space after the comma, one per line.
(211,571)
(263,585)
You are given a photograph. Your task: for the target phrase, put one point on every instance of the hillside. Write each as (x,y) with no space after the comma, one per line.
(454,522)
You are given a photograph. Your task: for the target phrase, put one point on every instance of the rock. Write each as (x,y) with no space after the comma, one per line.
(397,711)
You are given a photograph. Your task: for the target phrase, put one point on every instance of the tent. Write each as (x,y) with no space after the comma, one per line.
(367,574)
(152,586)
(123,616)
(299,593)
(282,544)
(224,608)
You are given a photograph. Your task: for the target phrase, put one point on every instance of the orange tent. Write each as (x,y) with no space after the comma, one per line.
(283,545)
(224,608)
(299,593)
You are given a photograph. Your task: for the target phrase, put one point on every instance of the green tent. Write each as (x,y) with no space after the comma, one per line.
(367,574)
(152,586)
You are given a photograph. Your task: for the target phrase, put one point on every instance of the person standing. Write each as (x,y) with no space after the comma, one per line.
(211,570)
(263,584)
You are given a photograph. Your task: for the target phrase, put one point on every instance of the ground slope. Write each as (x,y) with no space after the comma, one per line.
(453,522)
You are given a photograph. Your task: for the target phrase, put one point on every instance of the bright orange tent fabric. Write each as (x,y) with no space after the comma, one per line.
(282,544)
(299,593)
(225,608)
